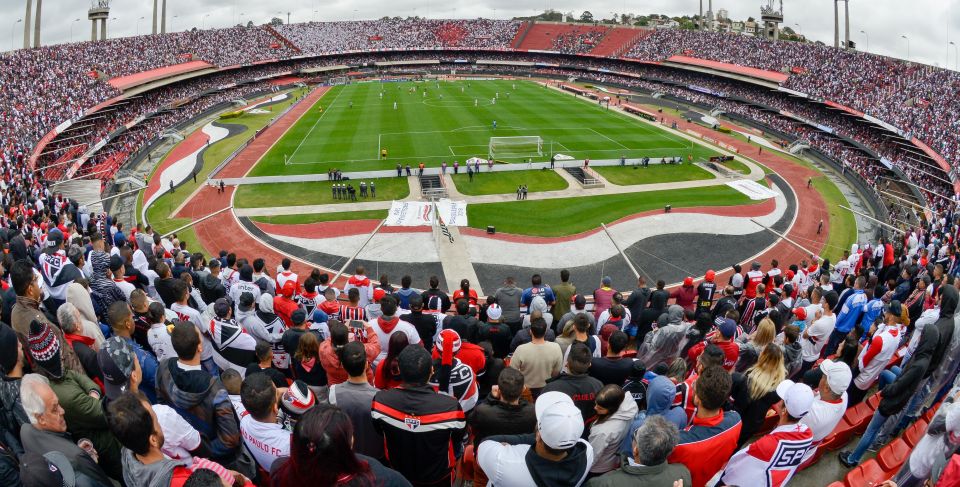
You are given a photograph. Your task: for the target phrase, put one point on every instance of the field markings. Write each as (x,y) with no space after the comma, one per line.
(325,112)
(608,138)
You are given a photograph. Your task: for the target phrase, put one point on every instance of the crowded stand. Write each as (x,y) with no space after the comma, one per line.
(146,364)
(578,41)
(128,359)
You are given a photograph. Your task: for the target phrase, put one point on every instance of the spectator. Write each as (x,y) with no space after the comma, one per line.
(26,284)
(354,397)
(320,454)
(538,360)
(815,336)
(199,397)
(452,376)
(830,403)
(576,383)
(755,391)
(233,349)
(711,437)
(423,442)
(615,412)
(463,322)
(554,455)
(663,344)
(877,353)
(265,439)
(12,363)
(264,365)
(523,335)
(47,431)
(306,361)
(508,298)
(388,324)
(647,465)
(84,347)
(564,293)
(614,368)
(434,299)
(426,324)
(685,296)
(190,315)
(495,332)
(121,322)
(159,335)
(330,350)
(388,370)
(465,292)
(775,454)
(603,297)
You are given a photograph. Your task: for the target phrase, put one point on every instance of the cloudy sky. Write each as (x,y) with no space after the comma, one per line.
(929,24)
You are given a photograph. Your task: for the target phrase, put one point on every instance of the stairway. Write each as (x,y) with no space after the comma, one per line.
(586,177)
(283,39)
(521,34)
(432,187)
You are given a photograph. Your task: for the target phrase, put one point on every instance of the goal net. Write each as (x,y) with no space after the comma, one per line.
(339,80)
(522,146)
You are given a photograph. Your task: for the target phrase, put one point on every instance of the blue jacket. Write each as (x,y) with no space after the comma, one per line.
(851,311)
(148,369)
(544,291)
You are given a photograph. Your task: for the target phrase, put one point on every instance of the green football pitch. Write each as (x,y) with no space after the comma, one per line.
(446,121)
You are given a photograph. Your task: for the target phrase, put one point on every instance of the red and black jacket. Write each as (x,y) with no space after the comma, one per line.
(422,431)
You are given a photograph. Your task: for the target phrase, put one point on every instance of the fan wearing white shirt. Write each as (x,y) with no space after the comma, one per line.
(266,440)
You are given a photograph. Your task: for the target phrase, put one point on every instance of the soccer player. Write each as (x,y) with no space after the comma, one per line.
(394,105)
(475,102)
(383,151)
(494,125)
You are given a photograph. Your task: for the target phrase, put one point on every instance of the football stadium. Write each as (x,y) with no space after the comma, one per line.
(248,245)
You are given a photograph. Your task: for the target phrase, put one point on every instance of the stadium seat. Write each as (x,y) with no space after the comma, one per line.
(859,417)
(892,456)
(771,420)
(915,432)
(874,401)
(867,473)
(839,437)
(630,354)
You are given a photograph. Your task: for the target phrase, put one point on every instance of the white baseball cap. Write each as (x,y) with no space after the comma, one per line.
(838,375)
(558,420)
(494,312)
(797,398)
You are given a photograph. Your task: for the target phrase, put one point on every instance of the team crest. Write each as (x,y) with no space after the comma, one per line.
(412,423)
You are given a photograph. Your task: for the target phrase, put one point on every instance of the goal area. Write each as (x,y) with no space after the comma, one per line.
(518,146)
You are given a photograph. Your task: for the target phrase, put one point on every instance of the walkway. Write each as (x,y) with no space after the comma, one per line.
(573,190)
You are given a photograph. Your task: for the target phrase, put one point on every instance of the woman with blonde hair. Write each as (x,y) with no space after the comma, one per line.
(755,391)
(751,345)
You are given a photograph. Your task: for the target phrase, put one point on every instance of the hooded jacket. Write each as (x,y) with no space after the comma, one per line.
(538,304)
(663,344)
(508,297)
(41,442)
(660,395)
(894,397)
(233,348)
(518,465)
(203,402)
(948,308)
(606,436)
(158,474)
(493,416)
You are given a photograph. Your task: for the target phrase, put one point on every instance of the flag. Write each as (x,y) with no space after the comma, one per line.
(443,226)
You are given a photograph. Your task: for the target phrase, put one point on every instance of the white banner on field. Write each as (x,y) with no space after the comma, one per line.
(752,189)
(421,213)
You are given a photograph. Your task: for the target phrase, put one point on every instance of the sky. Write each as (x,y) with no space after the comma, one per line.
(876,25)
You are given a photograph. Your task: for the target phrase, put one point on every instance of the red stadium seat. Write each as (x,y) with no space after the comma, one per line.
(867,473)
(630,354)
(914,432)
(858,417)
(839,437)
(892,456)
(771,420)
(874,401)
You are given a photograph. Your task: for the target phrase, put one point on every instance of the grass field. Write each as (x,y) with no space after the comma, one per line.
(656,173)
(507,182)
(313,193)
(322,217)
(351,124)
(565,216)
(843,226)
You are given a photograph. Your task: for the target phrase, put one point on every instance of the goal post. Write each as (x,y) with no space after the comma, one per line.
(518,146)
(339,80)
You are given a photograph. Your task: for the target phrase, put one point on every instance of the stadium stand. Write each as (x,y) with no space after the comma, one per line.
(875,115)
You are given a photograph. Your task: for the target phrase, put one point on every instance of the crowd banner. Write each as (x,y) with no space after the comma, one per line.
(421,213)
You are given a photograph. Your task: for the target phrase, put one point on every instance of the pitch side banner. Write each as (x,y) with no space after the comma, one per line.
(420,213)
(753,190)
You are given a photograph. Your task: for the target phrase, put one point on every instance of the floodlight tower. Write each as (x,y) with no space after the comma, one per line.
(772,16)
(99,12)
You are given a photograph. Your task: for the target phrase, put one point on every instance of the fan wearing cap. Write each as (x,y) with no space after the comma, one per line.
(706,291)
(754,278)
(495,332)
(685,295)
(372,309)
(727,329)
(295,401)
(118,270)
(78,396)
(232,347)
(773,459)
(830,402)
(284,305)
(285,275)
(553,456)
(263,435)
(422,430)
(451,375)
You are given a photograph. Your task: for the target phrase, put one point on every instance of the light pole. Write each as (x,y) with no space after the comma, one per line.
(13,27)
(203,21)
(138,25)
(868,39)
(956,56)
(797,33)
(241,18)
(908,46)
(71,28)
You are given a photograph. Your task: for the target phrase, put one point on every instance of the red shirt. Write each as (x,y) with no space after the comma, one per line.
(284,308)
(706,444)
(730,349)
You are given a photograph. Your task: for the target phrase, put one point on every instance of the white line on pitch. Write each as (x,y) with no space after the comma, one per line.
(608,138)
(304,139)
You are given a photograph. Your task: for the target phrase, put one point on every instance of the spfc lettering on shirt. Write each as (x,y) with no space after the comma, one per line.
(412,423)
